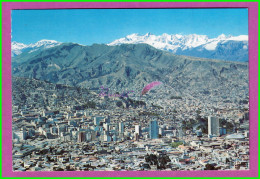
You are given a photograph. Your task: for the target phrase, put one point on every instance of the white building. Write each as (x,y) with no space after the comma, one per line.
(121,127)
(106,126)
(20,135)
(138,129)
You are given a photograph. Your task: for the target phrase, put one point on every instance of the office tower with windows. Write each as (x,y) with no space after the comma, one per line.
(213,126)
(153,129)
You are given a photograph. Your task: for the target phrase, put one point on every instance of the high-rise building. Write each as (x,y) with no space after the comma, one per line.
(20,135)
(107,119)
(180,133)
(136,136)
(121,127)
(106,126)
(82,136)
(107,138)
(153,129)
(97,120)
(138,130)
(161,131)
(213,126)
(246,134)
(222,131)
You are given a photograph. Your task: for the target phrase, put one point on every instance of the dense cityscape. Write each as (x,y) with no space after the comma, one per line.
(63,128)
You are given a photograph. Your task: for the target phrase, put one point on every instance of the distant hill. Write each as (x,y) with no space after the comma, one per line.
(47,96)
(131,66)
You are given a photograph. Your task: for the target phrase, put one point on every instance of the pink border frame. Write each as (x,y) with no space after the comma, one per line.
(6,71)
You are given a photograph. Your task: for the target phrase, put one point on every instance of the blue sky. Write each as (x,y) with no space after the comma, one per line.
(88,26)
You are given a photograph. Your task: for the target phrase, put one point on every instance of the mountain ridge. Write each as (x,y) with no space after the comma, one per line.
(223,47)
(232,48)
(19,48)
(131,66)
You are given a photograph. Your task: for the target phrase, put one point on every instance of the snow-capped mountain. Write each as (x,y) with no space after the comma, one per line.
(18,48)
(232,48)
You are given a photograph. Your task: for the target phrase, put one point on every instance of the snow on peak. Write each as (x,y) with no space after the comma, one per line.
(148,34)
(239,38)
(45,43)
(18,48)
(222,37)
(132,35)
(178,36)
(164,41)
(17,45)
(176,42)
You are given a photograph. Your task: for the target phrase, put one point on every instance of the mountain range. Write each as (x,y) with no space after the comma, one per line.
(230,48)
(19,48)
(131,67)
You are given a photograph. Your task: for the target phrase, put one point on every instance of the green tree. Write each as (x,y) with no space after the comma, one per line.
(176,144)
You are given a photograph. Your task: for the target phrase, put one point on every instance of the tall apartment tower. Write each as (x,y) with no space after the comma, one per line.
(213,126)
(82,136)
(153,129)
(138,129)
(121,127)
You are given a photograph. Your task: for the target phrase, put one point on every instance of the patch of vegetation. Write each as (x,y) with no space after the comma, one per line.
(175,97)
(119,103)
(160,161)
(156,106)
(228,125)
(244,101)
(89,104)
(188,125)
(136,102)
(176,144)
